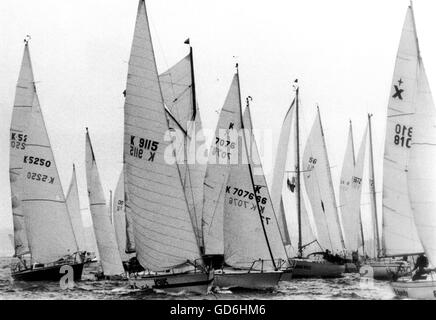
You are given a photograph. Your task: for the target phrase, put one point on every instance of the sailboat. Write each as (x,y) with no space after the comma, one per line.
(165,240)
(103,228)
(252,247)
(350,192)
(400,236)
(43,233)
(421,178)
(307,261)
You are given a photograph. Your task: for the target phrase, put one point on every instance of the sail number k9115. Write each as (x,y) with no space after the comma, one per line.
(143,148)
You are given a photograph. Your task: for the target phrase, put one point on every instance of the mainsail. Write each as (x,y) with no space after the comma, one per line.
(319,187)
(223,152)
(48,225)
(73,205)
(164,234)
(400,236)
(101,220)
(178,89)
(350,192)
(24,97)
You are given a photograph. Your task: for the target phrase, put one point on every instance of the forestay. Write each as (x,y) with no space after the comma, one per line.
(101,220)
(399,232)
(48,225)
(164,235)
(319,187)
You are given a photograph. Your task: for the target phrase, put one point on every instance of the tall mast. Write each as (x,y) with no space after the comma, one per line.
(374,197)
(249,168)
(297,168)
(194,95)
(111,212)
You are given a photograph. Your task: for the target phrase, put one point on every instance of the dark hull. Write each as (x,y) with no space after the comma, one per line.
(51,273)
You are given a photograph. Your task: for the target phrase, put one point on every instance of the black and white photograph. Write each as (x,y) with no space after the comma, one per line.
(217,150)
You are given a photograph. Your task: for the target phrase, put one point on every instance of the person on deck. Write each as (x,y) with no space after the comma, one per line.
(421,264)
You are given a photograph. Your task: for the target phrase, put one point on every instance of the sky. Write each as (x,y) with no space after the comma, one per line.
(343,53)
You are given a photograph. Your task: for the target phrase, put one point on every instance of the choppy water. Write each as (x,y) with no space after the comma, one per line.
(348,287)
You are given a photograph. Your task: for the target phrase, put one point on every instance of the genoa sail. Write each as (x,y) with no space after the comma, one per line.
(162,226)
(101,220)
(48,226)
(73,205)
(400,236)
(319,188)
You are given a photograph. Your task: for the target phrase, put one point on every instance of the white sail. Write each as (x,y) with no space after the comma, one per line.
(101,220)
(268,214)
(164,234)
(222,153)
(120,220)
(400,236)
(48,226)
(24,96)
(319,188)
(421,175)
(178,91)
(350,193)
(73,205)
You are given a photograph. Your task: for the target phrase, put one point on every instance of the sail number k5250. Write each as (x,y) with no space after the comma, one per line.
(140,146)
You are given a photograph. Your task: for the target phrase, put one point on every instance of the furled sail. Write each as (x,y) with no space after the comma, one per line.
(120,220)
(400,236)
(178,89)
(421,175)
(319,187)
(24,96)
(48,226)
(101,220)
(223,152)
(73,205)
(350,193)
(164,233)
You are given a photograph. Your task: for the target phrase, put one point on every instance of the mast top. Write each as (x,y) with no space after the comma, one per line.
(27,39)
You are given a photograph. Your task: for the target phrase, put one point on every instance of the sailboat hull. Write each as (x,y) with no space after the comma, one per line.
(384,270)
(420,289)
(51,273)
(304,268)
(247,280)
(198,283)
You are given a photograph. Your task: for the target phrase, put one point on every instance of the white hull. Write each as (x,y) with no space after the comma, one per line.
(254,280)
(384,270)
(305,268)
(199,283)
(420,289)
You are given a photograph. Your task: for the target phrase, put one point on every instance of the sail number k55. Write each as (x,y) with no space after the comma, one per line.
(403,136)
(140,146)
